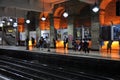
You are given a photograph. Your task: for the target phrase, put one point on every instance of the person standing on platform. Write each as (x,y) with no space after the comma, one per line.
(33,41)
(54,43)
(48,43)
(74,45)
(109,44)
(101,42)
(41,43)
(80,45)
(65,41)
(119,43)
(27,43)
(86,46)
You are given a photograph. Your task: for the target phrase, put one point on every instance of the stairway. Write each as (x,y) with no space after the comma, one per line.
(8,39)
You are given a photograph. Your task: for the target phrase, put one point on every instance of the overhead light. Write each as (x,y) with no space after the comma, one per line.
(8,23)
(95,8)
(43,18)
(27,21)
(65,14)
(15,24)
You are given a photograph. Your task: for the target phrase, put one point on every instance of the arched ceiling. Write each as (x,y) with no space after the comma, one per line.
(31,5)
(35,5)
(104,3)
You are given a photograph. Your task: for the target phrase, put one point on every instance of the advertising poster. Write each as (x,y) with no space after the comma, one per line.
(45,33)
(116,32)
(22,36)
(32,34)
(61,33)
(105,33)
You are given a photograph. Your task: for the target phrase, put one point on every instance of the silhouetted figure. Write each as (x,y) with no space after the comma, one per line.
(101,42)
(65,41)
(41,43)
(119,44)
(109,44)
(48,43)
(74,44)
(27,43)
(85,46)
(33,41)
(80,46)
(54,43)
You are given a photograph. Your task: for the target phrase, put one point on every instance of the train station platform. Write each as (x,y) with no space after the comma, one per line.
(114,55)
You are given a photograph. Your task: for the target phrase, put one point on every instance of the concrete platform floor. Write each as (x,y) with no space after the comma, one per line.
(114,55)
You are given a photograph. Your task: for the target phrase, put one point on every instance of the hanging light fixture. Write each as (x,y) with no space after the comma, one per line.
(43,17)
(15,24)
(27,21)
(95,8)
(65,14)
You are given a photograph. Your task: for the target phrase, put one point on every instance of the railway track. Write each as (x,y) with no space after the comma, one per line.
(27,70)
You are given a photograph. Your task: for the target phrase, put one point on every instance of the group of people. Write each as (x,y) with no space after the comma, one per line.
(81,45)
(77,46)
(45,43)
(42,43)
